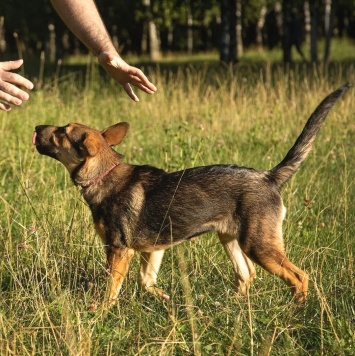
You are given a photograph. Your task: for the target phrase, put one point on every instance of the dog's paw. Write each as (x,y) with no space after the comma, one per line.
(157,292)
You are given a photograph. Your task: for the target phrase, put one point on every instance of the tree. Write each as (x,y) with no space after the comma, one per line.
(228,45)
(313,10)
(328,27)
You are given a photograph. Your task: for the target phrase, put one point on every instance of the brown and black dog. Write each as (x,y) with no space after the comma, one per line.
(145,209)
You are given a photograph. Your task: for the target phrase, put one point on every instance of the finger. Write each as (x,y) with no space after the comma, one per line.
(17,79)
(128,89)
(137,82)
(142,87)
(137,73)
(4,107)
(12,94)
(10,65)
(10,99)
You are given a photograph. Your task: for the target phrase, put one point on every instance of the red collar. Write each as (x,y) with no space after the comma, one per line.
(100,177)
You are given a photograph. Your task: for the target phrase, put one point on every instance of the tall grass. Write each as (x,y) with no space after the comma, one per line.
(52,266)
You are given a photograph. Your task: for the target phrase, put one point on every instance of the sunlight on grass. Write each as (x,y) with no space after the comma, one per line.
(53,265)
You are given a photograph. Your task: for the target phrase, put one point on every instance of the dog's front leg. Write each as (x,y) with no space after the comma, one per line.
(148,272)
(242,265)
(118,261)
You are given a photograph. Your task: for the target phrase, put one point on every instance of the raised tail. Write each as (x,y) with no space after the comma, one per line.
(299,151)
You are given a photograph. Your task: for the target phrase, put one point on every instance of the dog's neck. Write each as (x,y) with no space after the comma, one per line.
(99,178)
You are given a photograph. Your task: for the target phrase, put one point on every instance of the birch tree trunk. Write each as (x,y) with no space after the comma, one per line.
(154,42)
(153,34)
(239,37)
(307,22)
(2,35)
(190,38)
(225,38)
(259,28)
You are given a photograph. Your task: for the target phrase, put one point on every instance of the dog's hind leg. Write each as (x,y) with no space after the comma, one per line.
(148,272)
(276,262)
(265,247)
(118,261)
(243,267)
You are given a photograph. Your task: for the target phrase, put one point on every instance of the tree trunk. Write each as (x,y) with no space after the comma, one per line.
(224,45)
(2,35)
(233,31)
(229,35)
(153,34)
(239,27)
(144,41)
(190,38)
(52,48)
(307,22)
(313,14)
(259,28)
(329,23)
(286,31)
(154,42)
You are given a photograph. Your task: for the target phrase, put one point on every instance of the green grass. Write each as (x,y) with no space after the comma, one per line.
(52,266)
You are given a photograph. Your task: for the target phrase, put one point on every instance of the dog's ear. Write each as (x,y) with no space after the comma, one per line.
(91,145)
(115,133)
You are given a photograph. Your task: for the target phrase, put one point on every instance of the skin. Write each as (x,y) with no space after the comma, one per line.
(84,20)
(10,94)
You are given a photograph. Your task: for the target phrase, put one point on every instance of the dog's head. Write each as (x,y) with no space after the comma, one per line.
(82,150)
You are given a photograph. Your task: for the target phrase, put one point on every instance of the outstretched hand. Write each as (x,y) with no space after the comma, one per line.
(125,74)
(10,94)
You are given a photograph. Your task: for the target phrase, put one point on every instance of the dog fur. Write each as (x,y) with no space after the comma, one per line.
(145,209)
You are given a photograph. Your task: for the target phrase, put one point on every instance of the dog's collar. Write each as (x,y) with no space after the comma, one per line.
(100,177)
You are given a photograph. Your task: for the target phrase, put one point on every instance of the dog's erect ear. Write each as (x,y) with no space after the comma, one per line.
(115,133)
(91,145)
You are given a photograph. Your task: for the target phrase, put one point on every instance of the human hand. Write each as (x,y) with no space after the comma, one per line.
(125,74)
(9,92)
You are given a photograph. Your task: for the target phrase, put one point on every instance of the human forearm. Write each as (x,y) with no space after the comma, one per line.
(83,19)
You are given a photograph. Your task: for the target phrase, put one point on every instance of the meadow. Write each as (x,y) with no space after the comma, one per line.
(52,265)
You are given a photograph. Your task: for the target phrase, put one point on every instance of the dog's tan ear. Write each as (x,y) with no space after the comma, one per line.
(91,145)
(115,133)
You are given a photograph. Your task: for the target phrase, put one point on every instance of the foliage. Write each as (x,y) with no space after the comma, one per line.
(125,19)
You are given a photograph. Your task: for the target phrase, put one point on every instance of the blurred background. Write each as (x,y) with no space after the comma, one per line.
(224,30)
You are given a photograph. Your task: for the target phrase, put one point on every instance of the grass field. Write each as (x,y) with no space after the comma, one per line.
(52,266)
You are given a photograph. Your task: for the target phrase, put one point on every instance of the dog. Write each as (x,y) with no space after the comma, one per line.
(146,209)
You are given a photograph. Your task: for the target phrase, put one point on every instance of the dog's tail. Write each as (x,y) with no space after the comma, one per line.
(296,155)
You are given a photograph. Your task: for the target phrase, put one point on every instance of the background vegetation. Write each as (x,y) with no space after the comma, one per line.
(159,27)
(52,265)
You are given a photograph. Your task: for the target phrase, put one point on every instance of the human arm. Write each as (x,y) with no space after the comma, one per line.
(83,19)
(10,94)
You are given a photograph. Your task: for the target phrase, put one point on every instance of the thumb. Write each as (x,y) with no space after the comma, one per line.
(128,89)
